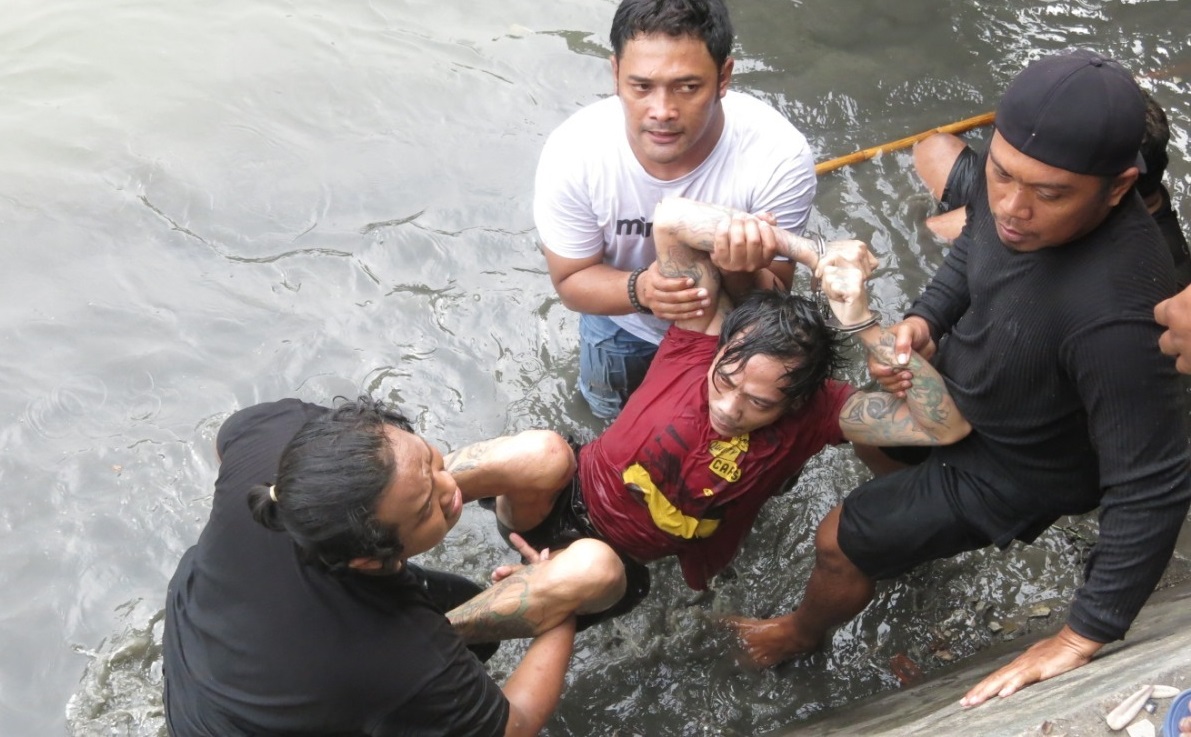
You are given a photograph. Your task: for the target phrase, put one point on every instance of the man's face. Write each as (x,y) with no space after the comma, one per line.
(1037,206)
(743,399)
(423,501)
(671,89)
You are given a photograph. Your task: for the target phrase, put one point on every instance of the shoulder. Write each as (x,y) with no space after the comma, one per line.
(1129,258)
(688,346)
(819,416)
(827,402)
(285,416)
(756,122)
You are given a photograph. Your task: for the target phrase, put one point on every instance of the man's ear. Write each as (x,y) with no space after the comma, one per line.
(1121,185)
(726,75)
(615,74)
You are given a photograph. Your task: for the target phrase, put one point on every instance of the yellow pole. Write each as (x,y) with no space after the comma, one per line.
(959,126)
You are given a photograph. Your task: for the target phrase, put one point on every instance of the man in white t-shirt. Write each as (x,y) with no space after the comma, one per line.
(672,129)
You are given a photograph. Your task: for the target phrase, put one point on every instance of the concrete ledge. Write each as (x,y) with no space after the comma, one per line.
(1157,651)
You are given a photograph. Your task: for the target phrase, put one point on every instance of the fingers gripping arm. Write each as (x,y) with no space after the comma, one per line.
(927,415)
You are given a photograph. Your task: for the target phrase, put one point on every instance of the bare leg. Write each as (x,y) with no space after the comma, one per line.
(933,158)
(584,578)
(836,592)
(525,471)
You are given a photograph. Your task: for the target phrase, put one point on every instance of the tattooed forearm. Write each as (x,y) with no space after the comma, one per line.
(694,224)
(503,612)
(926,416)
(878,418)
(929,397)
(679,261)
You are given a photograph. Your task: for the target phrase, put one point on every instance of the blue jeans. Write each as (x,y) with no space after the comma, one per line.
(612,364)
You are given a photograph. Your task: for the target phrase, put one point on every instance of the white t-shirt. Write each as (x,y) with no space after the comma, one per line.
(592,196)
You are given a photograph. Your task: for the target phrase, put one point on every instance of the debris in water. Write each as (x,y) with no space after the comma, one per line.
(1039,611)
(906,670)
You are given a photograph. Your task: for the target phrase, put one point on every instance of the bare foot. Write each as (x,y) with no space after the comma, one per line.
(768,642)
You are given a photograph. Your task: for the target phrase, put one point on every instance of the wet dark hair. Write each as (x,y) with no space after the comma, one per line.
(786,327)
(329,481)
(706,20)
(1153,147)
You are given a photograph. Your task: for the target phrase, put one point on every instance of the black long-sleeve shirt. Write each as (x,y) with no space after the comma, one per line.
(1053,358)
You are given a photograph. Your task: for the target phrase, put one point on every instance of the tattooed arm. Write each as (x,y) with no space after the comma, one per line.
(926,415)
(540,600)
(508,610)
(530,466)
(686,233)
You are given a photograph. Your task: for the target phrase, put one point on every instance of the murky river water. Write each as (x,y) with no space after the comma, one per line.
(208,204)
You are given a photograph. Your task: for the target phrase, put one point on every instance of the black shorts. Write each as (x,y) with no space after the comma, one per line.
(960,181)
(927,512)
(568,522)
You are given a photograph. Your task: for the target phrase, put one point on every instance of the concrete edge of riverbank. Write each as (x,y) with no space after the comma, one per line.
(1157,651)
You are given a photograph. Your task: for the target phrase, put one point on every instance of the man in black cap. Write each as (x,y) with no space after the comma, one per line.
(949,168)
(1041,315)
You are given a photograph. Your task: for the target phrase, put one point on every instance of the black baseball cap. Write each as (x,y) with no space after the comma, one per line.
(1077,111)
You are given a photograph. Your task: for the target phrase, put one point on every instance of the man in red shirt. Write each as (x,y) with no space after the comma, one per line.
(735,403)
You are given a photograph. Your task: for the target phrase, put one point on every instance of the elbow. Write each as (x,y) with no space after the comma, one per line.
(666,216)
(954,433)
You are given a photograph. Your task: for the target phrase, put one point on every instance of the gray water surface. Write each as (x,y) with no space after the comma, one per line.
(208,204)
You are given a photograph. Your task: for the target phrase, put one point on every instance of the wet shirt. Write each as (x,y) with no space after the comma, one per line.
(660,481)
(592,196)
(1053,358)
(259,643)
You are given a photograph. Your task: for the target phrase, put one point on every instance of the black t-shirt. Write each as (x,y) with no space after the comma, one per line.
(1052,356)
(259,643)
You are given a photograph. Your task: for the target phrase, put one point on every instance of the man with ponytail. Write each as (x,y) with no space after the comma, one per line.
(298,611)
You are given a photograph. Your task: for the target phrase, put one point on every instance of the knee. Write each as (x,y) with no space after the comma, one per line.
(592,567)
(934,157)
(828,553)
(554,461)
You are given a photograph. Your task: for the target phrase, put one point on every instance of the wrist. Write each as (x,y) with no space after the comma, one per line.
(820,249)
(632,290)
(1083,646)
(859,325)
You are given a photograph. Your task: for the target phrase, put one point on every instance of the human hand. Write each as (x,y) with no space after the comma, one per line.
(1045,659)
(527,552)
(1175,315)
(671,298)
(853,252)
(842,283)
(910,335)
(745,243)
